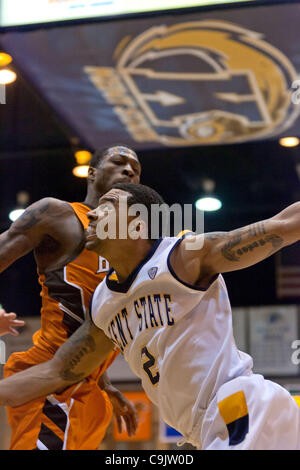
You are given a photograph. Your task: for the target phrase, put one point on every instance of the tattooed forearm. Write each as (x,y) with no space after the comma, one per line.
(234,255)
(257,229)
(81,348)
(228,251)
(228,248)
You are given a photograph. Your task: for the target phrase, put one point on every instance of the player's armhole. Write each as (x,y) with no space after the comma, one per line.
(91,319)
(172,272)
(90,311)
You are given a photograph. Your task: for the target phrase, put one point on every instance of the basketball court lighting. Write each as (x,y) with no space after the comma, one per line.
(7,76)
(23,198)
(82,157)
(289,141)
(81,171)
(15,214)
(208,204)
(5,59)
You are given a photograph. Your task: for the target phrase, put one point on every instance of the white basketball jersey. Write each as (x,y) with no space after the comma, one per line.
(177,338)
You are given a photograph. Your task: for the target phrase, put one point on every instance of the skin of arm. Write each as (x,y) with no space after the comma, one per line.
(122,407)
(230,251)
(76,359)
(28,231)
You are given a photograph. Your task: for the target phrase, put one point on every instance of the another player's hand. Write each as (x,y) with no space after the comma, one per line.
(8,323)
(123,408)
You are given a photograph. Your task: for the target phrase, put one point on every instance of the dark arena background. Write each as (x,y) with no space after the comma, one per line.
(205,95)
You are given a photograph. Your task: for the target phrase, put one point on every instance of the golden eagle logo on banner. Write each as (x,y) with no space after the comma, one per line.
(199,83)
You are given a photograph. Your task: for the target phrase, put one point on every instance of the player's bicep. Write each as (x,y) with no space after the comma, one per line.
(82,353)
(28,231)
(24,234)
(12,247)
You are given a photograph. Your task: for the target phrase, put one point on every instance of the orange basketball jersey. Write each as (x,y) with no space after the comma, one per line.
(66,294)
(87,412)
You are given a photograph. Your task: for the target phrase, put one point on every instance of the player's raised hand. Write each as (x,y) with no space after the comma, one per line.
(123,409)
(8,323)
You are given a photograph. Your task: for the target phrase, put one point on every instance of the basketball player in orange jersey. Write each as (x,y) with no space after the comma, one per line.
(76,419)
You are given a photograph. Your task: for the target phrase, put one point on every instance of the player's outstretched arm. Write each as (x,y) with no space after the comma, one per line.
(229,251)
(28,231)
(77,358)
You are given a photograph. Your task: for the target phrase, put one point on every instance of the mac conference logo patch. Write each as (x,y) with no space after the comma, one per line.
(152,272)
(203,82)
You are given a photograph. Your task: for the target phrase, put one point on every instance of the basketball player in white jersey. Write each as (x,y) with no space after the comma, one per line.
(166,307)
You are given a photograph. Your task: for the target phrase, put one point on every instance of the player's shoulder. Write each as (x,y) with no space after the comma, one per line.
(54,206)
(189,242)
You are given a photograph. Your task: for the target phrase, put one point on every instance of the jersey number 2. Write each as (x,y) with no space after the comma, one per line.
(148,365)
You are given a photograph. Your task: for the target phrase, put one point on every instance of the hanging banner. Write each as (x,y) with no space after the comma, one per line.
(20,12)
(227,76)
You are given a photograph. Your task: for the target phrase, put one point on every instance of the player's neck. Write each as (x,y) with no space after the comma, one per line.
(91,199)
(127,258)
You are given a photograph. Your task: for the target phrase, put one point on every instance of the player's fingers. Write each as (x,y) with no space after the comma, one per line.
(133,415)
(13,332)
(119,423)
(10,316)
(129,425)
(134,421)
(17,323)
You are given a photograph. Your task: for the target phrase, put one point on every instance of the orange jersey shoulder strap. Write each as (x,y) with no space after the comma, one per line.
(81,211)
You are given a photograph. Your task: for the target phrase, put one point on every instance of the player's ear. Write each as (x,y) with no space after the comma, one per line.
(91,174)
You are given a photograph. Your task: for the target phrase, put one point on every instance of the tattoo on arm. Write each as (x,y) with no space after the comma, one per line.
(233,249)
(30,217)
(34,214)
(81,349)
(228,249)
(257,229)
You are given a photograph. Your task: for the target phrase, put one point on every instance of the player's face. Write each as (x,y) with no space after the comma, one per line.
(119,165)
(104,226)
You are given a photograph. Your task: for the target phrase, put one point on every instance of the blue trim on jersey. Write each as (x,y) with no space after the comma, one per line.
(237,430)
(125,286)
(191,286)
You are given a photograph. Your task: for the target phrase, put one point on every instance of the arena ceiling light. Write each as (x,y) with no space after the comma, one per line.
(82,158)
(5,59)
(22,198)
(7,76)
(208,204)
(81,171)
(15,214)
(289,141)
